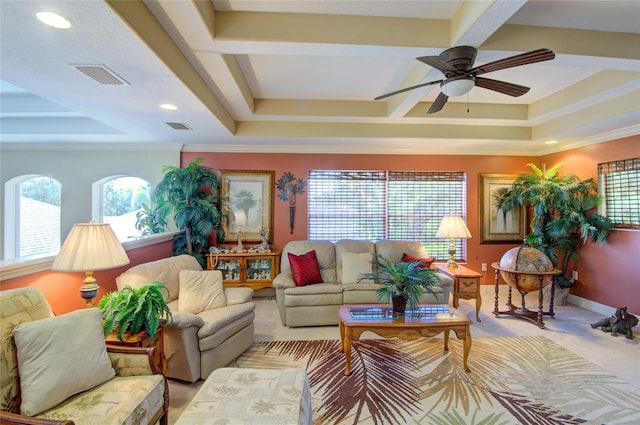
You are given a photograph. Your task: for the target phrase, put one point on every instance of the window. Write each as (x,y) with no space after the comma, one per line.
(405,205)
(121,199)
(619,185)
(32,220)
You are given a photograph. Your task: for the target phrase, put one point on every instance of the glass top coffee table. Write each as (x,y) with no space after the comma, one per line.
(426,321)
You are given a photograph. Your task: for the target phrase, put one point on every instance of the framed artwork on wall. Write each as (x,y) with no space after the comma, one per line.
(248,199)
(495,226)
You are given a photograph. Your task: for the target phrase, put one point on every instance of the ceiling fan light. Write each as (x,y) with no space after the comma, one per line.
(457,87)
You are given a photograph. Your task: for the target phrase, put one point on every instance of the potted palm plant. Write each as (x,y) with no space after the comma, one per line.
(191,193)
(564,214)
(133,310)
(403,283)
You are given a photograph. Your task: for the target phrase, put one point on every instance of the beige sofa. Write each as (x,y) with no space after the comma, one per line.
(58,370)
(197,343)
(317,304)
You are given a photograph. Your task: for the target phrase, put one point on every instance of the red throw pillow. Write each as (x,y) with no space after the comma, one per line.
(426,262)
(305,268)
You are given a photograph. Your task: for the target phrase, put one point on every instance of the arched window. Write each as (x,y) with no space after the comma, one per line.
(117,200)
(32,217)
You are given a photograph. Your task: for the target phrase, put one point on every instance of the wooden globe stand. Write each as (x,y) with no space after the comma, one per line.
(523,312)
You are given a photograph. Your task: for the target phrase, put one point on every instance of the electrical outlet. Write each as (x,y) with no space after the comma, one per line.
(484,267)
(574,275)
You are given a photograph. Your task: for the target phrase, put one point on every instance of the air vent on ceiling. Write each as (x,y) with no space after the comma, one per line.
(178,126)
(101,74)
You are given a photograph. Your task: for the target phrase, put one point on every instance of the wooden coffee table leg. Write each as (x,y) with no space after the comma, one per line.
(467,347)
(446,340)
(347,353)
(341,329)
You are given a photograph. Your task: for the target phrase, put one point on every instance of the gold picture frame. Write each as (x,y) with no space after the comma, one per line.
(248,200)
(496,227)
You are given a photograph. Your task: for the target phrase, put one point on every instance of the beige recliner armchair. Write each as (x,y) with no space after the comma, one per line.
(197,341)
(58,370)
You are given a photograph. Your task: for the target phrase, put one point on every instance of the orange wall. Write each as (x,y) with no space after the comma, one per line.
(61,289)
(608,274)
(300,164)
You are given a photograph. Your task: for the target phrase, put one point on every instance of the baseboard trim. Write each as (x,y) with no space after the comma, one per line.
(603,309)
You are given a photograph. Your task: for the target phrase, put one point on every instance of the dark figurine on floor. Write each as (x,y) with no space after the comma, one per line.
(621,322)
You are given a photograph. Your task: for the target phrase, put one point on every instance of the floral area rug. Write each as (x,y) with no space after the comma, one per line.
(513,380)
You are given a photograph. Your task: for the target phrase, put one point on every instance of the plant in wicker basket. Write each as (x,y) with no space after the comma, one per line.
(403,283)
(133,310)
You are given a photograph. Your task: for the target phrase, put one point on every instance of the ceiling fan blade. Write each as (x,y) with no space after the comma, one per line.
(533,56)
(438,103)
(384,96)
(438,63)
(510,89)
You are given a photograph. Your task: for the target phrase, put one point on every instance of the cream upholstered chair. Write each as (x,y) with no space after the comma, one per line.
(58,369)
(211,326)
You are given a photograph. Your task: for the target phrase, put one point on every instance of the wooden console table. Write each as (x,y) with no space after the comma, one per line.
(466,285)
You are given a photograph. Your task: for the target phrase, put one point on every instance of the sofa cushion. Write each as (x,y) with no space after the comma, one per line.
(355,264)
(393,249)
(128,400)
(16,306)
(344,246)
(223,323)
(201,290)
(425,263)
(50,350)
(305,268)
(165,271)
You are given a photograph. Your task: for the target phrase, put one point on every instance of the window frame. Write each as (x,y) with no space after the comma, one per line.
(614,169)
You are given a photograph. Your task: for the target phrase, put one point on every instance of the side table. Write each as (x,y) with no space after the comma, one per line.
(466,285)
(142,339)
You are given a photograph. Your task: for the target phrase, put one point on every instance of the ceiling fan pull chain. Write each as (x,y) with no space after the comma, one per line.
(467,102)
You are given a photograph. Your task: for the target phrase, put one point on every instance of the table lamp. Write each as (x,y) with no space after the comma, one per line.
(452,227)
(90,247)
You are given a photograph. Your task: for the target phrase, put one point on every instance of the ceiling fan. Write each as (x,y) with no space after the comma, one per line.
(459,76)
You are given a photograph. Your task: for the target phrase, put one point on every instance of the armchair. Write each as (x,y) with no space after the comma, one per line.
(211,326)
(121,386)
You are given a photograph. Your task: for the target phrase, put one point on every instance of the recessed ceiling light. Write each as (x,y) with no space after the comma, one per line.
(550,142)
(168,106)
(54,20)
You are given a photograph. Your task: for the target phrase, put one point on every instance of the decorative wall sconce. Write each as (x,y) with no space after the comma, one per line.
(288,186)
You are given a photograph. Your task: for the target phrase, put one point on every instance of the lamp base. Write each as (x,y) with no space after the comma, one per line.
(89,290)
(451,264)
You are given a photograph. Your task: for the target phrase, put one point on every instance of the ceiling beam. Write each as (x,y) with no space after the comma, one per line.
(138,16)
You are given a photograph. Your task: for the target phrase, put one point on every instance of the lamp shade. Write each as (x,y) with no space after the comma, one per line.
(454,87)
(453,227)
(90,247)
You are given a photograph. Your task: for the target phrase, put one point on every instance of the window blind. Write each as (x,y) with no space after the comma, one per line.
(373,205)
(619,183)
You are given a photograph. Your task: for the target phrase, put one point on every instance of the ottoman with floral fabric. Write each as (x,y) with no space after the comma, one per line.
(251,396)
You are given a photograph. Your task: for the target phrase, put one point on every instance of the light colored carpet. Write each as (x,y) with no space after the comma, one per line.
(570,329)
(527,380)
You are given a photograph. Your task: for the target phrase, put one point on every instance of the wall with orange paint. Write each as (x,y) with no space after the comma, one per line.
(608,274)
(61,288)
(300,164)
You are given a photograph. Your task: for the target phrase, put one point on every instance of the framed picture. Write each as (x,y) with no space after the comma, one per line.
(249,202)
(495,226)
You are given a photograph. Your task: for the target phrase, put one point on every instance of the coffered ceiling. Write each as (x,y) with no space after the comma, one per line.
(302,75)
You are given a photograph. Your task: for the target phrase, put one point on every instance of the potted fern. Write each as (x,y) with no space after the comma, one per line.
(403,283)
(133,310)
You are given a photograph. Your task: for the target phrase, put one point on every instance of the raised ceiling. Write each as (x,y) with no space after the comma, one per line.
(301,75)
